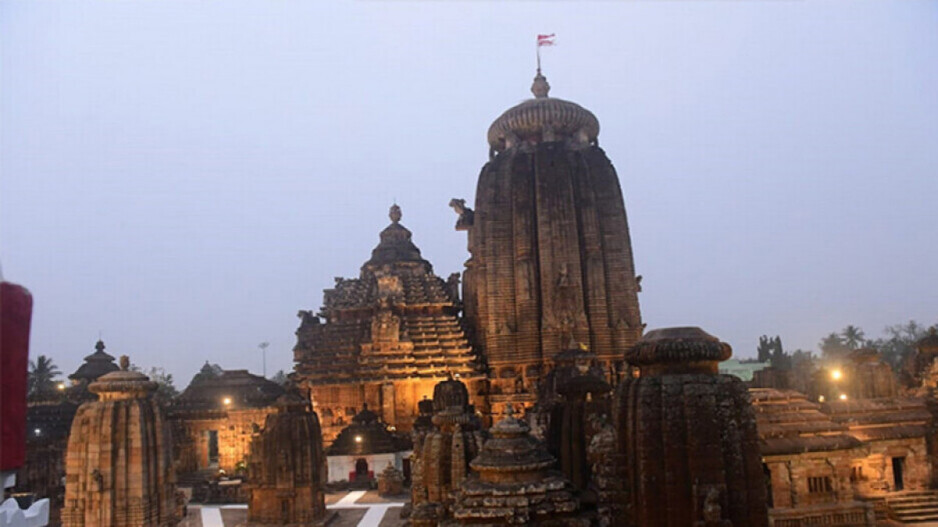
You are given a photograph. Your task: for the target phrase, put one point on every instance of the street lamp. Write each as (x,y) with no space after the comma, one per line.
(263,347)
(836,375)
(226,401)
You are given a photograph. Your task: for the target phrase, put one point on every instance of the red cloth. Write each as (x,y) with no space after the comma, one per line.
(16,308)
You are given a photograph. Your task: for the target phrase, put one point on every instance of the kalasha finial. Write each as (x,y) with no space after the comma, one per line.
(395,213)
(99,346)
(125,362)
(540,88)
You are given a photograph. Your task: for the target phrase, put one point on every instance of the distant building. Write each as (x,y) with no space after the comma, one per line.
(742,368)
(215,416)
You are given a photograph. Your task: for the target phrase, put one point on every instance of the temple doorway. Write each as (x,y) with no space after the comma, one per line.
(898,464)
(213,448)
(361,469)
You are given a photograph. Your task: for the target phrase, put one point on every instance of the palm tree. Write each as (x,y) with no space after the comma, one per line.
(832,346)
(41,378)
(853,337)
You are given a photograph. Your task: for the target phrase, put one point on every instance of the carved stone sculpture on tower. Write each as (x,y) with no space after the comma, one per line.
(118,469)
(287,467)
(688,437)
(551,257)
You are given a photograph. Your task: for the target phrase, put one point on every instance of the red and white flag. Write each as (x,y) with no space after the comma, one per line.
(546,40)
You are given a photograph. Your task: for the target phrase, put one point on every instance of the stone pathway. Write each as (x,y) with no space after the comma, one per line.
(374,510)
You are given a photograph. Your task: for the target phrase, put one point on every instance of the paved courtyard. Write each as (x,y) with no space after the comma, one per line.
(357,508)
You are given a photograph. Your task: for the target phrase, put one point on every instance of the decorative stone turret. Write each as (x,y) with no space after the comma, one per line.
(442,454)
(286,467)
(688,436)
(922,366)
(118,468)
(511,483)
(390,481)
(578,402)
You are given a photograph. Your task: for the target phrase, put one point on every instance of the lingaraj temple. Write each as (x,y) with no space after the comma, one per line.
(525,390)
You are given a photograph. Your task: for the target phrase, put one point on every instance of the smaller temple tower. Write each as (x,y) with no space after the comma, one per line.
(442,454)
(118,469)
(511,483)
(287,467)
(688,436)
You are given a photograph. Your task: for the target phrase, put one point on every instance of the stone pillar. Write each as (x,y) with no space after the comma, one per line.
(688,437)
(118,469)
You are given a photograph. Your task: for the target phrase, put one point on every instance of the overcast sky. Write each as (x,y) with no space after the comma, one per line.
(182,177)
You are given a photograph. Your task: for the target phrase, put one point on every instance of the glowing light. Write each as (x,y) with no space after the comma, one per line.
(358,439)
(60,386)
(843,397)
(836,375)
(37,431)
(226,401)
(820,399)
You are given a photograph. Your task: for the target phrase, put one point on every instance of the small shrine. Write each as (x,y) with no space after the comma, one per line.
(364,447)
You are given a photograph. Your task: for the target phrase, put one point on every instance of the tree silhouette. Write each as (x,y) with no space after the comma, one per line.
(40,380)
(853,337)
(833,346)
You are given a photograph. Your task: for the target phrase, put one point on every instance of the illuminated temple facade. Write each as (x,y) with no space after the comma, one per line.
(384,339)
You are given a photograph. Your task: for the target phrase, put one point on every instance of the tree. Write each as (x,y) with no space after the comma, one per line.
(280,378)
(770,350)
(899,342)
(853,337)
(833,346)
(165,389)
(40,380)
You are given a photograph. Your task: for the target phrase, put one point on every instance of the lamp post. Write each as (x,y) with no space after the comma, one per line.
(263,346)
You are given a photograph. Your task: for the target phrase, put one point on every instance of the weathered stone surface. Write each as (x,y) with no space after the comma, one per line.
(119,466)
(687,436)
(286,467)
(551,257)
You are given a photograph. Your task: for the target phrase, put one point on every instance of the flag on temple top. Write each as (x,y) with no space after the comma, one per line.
(546,40)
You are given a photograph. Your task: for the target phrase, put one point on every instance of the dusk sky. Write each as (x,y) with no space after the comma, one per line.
(181,177)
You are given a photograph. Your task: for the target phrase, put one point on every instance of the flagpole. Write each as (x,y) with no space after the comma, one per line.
(537,48)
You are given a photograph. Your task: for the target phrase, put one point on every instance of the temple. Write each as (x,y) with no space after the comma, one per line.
(550,253)
(383,339)
(119,464)
(532,396)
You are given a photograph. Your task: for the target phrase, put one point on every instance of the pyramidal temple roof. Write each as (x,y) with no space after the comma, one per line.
(396,320)
(95,365)
(396,245)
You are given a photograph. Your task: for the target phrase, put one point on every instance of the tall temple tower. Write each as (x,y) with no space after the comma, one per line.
(551,257)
